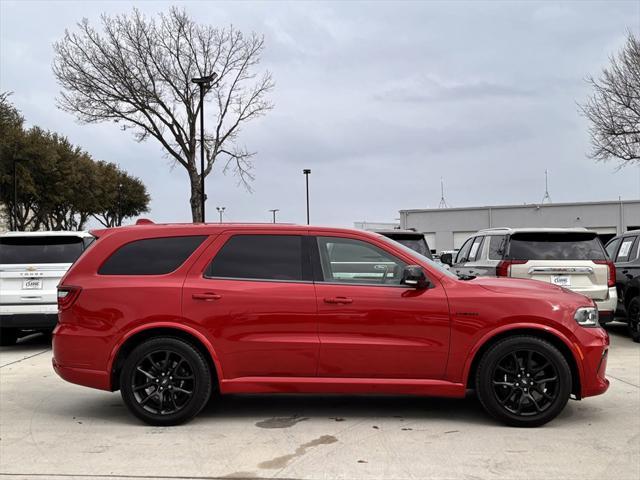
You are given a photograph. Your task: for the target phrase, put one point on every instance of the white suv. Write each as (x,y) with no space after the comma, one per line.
(573,258)
(31,265)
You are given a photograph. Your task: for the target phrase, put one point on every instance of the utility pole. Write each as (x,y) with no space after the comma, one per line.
(306,172)
(220,212)
(205,84)
(273,211)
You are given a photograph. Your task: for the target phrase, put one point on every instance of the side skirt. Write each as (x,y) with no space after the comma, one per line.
(434,388)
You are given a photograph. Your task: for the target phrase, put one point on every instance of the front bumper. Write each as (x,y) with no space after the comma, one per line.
(593,351)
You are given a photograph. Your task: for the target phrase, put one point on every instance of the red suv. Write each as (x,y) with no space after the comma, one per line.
(168,314)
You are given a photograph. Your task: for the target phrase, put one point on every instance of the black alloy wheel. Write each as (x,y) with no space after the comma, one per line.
(165,381)
(523,381)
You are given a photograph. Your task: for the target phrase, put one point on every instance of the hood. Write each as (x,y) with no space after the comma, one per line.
(521,286)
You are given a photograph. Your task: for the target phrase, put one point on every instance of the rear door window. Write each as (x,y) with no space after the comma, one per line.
(40,249)
(556,246)
(259,257)
(151,256)
(628,250)
(496,247)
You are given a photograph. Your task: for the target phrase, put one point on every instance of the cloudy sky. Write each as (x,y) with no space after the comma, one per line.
(378,99)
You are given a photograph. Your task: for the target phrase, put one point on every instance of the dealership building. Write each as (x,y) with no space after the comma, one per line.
(447,228)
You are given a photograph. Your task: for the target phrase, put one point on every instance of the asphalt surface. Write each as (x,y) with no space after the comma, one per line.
(54,430)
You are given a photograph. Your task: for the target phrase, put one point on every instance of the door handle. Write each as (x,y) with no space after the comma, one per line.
(207,296)
(338,300)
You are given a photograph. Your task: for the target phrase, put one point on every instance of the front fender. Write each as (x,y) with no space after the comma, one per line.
(523,327)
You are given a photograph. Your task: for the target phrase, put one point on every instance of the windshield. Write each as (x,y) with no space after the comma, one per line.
(45,249)
(556,246)
(420,258)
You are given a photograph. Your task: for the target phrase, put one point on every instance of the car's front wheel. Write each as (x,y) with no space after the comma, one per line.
(165,381)
(633,318)
(523,381)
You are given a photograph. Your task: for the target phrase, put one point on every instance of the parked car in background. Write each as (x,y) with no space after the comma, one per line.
(409,238)
(31,265)
(169,314)
(572,258)
(625,252)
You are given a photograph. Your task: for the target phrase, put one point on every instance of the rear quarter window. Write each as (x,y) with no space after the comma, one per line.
(556,246)
(151,256)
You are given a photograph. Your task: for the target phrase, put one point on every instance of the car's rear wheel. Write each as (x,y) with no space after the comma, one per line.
(165,381)
(633,318)
(523,381)
(8,336)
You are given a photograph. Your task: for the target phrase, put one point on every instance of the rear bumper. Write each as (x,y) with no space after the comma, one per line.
(82,376)
(28,320)
(608,306)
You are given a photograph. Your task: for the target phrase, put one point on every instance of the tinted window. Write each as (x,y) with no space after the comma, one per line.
(151,256)
(260,257)
(496,247)
(555,246)
(416,243)
(476,249)
(463,254)
(49,249)
(627,251)
(612,247)
(355,261)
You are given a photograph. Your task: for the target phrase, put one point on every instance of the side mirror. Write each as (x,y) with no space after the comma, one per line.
(447,259)
(413,276)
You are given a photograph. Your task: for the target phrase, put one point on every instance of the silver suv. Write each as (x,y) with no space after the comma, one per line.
(572,258)
(31,265)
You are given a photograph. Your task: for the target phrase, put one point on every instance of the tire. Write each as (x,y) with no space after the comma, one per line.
(633,318)
(8,336)
(508,381)
(151,392)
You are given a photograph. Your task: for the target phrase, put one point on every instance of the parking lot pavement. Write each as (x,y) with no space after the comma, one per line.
(52,429)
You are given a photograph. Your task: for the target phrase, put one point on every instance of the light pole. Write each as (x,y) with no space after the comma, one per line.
(306,172)
(15,193)
(220,212)
(273,211)
(205,83)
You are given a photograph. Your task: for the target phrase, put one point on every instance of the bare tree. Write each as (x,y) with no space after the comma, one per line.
(137,72)
(614,108)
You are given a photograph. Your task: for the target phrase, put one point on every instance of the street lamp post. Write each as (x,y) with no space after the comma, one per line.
(119,213)
(273,211)
(205,83)
(306,172)
(220,212)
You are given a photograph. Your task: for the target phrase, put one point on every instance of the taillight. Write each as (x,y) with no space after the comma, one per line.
(66,296)
(503,269)
(611,281)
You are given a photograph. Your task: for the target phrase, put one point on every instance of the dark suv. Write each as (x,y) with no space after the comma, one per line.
(625,252)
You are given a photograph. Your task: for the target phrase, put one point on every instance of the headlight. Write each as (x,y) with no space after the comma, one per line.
(587,317)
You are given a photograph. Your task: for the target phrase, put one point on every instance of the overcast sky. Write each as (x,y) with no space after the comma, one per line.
(378,99)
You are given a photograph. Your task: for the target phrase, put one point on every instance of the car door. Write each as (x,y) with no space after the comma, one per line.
(627,266)
(369,324)
(253,293)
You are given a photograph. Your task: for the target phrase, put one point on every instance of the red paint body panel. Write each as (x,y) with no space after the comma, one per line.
(274,336)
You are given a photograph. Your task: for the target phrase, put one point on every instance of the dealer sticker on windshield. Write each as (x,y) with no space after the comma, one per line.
(561,280)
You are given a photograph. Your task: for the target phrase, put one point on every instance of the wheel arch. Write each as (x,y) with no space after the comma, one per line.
(139,335)
(554,337)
